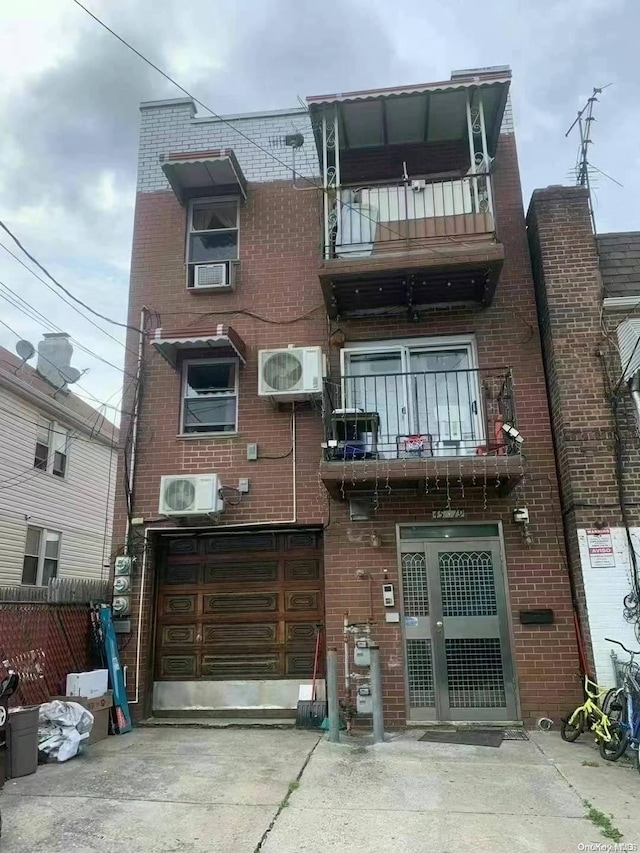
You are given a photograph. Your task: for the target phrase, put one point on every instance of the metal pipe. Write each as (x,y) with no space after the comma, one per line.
(332,696)
(634,388)
(325,194)
(376,695)
(134,432)
(485,154)
(347,674)
(472,154)
(140,604)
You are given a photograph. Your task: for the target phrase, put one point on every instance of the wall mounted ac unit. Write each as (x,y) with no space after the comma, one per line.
(214,276)
(295,373)
(190,494)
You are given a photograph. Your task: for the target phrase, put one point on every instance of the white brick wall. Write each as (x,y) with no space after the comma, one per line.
(605,590)
(172,127)
(507,125)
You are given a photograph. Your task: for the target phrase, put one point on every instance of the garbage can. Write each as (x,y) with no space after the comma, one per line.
(22,742)
(4,702)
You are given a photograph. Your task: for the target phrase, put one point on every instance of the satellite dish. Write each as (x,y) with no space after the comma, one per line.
(70,374)
(25,350)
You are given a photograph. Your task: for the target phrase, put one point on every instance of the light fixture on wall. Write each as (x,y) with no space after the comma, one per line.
(513,433)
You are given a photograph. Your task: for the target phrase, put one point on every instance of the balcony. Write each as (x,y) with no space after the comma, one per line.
(409,245)
(408,201)
(420,430)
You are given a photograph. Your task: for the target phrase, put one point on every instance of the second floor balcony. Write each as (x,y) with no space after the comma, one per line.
(411,427)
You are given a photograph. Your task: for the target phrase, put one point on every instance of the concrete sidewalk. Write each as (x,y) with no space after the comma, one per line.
(237,791)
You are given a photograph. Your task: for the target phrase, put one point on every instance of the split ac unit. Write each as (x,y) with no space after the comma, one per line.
(190,494)
(295,373)
(214,276)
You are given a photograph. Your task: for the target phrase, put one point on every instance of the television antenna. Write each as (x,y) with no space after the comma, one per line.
(584,168)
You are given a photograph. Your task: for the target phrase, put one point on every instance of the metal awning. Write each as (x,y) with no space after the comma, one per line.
(431,112)
(196,174)
(220,340)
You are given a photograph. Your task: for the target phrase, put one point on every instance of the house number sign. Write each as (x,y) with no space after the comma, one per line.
(447,513)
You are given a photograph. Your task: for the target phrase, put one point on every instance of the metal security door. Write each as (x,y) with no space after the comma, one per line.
(458,652)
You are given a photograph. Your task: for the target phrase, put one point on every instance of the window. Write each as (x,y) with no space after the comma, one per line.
(210,396)
(52,441)
(41,555)
(213,232)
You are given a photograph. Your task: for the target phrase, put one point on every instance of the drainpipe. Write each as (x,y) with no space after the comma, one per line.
(134,432)
(634,388)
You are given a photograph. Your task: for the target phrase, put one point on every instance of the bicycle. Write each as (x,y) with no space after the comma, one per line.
(627,698)
(590,716)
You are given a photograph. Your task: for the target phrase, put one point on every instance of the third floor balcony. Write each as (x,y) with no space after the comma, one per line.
(408,196)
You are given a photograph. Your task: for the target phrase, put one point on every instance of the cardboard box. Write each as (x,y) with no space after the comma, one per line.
(100,707)
(88,684)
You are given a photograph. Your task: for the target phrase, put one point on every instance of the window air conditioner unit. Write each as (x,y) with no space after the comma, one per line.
(190,494)
(213,276)
(295,373)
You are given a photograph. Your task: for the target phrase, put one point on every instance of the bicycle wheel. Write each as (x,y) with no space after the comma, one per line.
(614,704)
(615,748)
(571,731)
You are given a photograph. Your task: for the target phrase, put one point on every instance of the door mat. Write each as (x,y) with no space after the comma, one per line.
(468,737)
(514,734)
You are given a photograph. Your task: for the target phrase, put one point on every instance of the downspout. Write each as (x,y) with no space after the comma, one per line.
(134,432)
(634,388)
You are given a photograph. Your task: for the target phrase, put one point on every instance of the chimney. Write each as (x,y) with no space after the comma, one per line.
(54,358)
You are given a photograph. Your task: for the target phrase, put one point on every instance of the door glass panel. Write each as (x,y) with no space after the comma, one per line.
(474,673)
(444,400)
(467,583)
(449,531)
(420,674)
(414,584)
(374,382)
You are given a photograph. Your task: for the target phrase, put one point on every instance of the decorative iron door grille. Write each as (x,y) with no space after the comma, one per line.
(458,658)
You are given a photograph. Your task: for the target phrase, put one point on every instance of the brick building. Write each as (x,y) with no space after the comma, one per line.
(588,292)
(377,243)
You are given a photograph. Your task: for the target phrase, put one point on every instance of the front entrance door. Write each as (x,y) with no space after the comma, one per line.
(457,648)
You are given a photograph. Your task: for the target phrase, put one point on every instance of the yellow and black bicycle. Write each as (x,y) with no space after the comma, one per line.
(593,715)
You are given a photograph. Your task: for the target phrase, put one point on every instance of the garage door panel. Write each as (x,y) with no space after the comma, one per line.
(240,634)
(299,664)
(179,605)
(302,599)
(241,666)
(182,575)
(232,544)
(241,573)
(178,666)
(302,570)
(301,632)
(178,635)
(245,602)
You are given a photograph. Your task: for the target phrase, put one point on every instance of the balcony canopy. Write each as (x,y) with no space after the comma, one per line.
(217,342)
(431,112)
(197,174)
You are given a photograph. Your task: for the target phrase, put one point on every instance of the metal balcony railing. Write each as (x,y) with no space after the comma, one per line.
(419,415)
(370,220)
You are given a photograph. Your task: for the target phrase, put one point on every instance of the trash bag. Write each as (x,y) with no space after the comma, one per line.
(62,726)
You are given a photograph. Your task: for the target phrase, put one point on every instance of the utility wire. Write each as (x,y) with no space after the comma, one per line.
(66,301)
(241,133)
(61,286)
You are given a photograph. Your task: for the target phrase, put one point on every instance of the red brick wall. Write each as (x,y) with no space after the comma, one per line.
(280,253)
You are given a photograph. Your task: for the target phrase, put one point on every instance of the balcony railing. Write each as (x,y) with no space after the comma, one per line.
(419,415)
(372,220)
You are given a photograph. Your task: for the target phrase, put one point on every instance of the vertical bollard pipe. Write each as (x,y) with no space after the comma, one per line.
(332,696)
(376,695)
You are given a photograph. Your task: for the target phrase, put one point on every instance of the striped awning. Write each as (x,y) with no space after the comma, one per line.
(219,340)
(194,174)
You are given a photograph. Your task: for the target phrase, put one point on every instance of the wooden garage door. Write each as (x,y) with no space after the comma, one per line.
(239,606)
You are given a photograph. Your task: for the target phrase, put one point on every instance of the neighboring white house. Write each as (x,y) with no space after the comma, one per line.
(57,472)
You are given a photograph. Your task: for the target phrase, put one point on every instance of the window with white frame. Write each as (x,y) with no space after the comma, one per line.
(41,556)
(52,441)
(213,233)
(210,396)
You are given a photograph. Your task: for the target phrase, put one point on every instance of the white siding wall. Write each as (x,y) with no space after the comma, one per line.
(605,589)
(76,505)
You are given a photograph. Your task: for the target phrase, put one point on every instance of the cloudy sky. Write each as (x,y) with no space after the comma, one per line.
(69,95)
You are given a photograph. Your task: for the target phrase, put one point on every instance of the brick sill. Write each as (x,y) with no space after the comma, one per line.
(207,436)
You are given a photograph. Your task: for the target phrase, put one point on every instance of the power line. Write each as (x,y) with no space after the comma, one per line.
(66,301)
(22,305)
(245,136)
(62,287)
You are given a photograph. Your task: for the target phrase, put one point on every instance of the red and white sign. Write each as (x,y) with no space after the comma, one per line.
(600,546)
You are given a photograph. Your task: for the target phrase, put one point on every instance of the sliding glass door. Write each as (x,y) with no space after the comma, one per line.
(425,394)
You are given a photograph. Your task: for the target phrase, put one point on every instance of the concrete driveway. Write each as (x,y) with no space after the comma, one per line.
(284,791)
